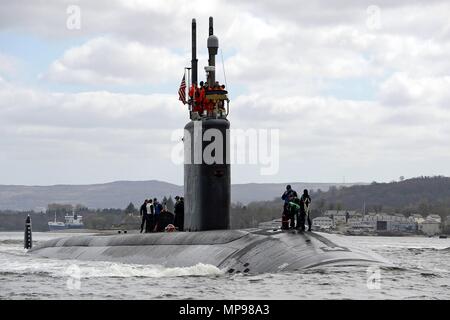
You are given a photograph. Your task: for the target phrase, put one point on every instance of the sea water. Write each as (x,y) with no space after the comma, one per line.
(421,271)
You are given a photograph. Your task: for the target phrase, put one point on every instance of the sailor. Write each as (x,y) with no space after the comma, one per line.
(305,201)
(191,94)
(289,194)
(221,103)
(158,208)
(198,98)
(294,208)
(143,213)
(150,217)
(208,104)
(192,90)
(179,213)
(165,218)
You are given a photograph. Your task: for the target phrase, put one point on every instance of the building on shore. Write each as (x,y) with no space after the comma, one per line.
(434,217)
(359,225)
(447,225)
(431,225)
(418,218)
(322,223)
(447,221)
(381,223)
(341,216)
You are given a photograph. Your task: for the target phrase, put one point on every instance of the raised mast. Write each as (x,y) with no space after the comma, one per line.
(194,61)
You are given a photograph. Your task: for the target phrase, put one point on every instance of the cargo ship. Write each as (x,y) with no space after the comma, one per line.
(73,221)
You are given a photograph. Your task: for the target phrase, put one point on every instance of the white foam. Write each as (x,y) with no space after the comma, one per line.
(152,271)
(15,259)
(94,269)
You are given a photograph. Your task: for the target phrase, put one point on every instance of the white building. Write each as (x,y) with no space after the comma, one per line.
(435,217)
(402,226)
(383,222)
(40,210)
(447,224)
(341,216)
(430,227)
(358,224)
(322,223)
(418,218)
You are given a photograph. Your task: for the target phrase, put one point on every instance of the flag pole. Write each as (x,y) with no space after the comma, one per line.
(188,89)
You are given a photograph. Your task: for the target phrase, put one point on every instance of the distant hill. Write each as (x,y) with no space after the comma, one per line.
(118,194)
(425,195)
(250,192)
(430,194)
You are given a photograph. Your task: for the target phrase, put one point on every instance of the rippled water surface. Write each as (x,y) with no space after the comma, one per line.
(422,271)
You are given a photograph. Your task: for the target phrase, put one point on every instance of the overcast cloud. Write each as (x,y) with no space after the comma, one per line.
(359,90)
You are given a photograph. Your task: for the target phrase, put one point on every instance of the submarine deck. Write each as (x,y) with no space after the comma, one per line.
(247,251)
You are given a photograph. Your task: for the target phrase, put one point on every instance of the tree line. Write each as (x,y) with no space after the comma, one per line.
(421,195)
(97,219)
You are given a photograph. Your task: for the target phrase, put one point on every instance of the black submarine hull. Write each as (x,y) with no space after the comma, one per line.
(250,251)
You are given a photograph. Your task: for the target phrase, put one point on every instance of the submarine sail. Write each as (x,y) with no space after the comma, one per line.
(207,172)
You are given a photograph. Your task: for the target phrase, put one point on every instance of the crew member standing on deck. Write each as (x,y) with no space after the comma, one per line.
(305,201)
(150,217)
(179,213)
(143,213)
(294,208)
(287,196)
(158,208)
(192,90)
(199,94)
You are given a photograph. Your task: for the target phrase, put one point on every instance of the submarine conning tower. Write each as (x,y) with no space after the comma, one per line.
(207,183)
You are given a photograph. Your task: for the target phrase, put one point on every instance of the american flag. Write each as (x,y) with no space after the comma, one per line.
(182,91)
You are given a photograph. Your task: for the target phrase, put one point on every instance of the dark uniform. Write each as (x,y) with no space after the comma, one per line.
(143,213)
(287,196)
(294,208)
(179,214)
(165,218)
(150,225)
(158,208)
(305,201)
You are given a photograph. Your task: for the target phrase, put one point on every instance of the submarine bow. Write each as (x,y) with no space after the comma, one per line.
(248,251)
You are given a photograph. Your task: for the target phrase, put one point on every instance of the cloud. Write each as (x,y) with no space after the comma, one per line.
(153,22)
(284,63)
(402,89)
(100,109)
(108,61)
(66,135)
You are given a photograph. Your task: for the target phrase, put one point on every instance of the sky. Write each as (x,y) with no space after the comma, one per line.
(358,91)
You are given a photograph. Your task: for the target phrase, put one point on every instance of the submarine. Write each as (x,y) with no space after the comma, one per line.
(207,237)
